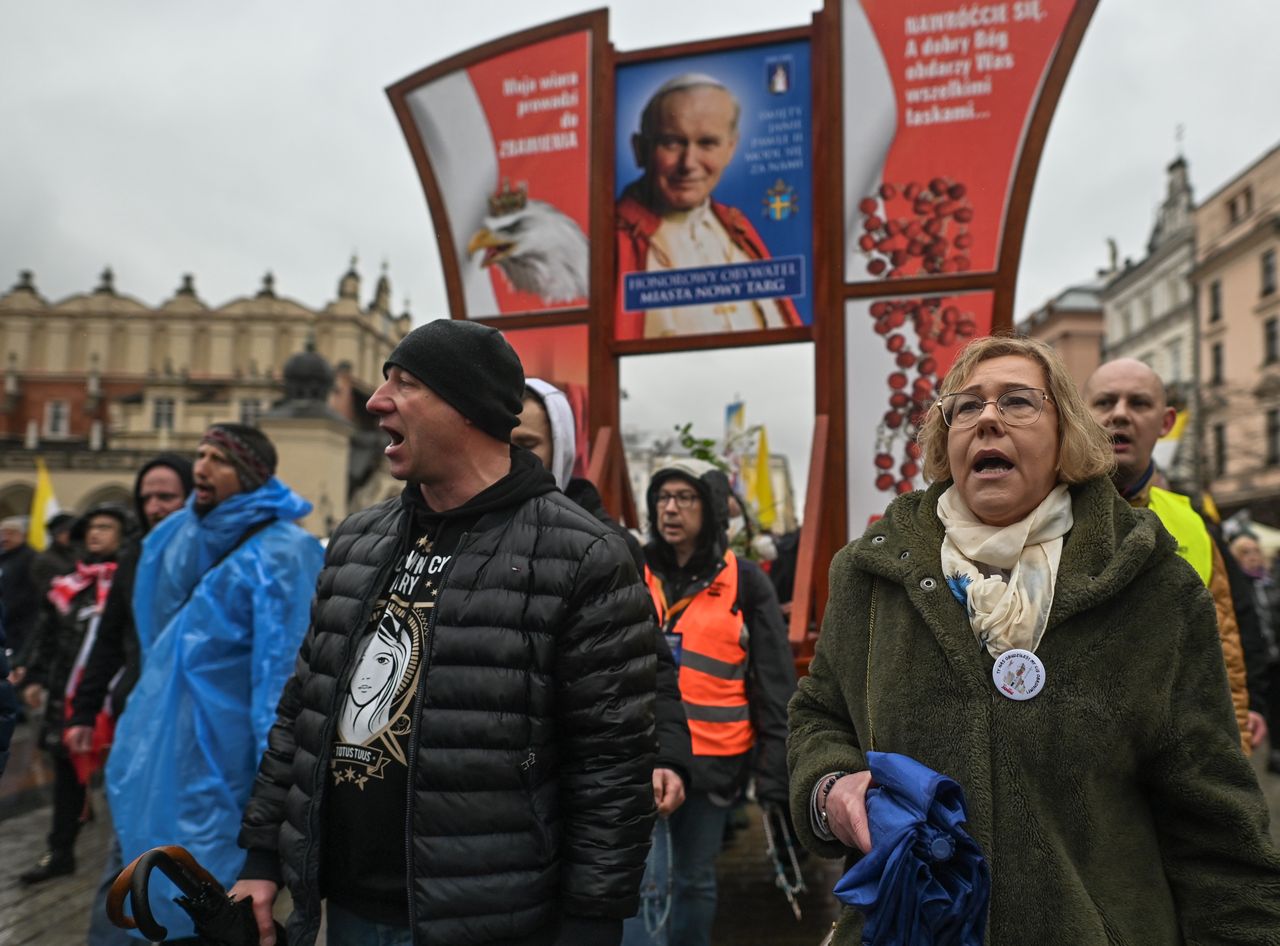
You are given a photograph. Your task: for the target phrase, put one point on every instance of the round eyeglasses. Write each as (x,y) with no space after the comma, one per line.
(1018,408)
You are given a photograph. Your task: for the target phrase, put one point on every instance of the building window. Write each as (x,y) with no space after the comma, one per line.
(1215,363)
(250,411)
(1219,450)
(1175,361)
(162,414)
(1126,322)
(1241,205)
(1273,437)
(1268,272)
(1215,301)
(1271,340)
(57,419)
(1148,311)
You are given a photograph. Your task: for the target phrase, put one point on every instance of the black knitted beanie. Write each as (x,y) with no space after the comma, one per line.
(469,365)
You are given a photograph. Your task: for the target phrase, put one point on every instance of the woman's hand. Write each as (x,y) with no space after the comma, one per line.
(847,811)
(33,695)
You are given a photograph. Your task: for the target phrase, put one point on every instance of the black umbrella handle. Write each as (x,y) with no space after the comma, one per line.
(174,862)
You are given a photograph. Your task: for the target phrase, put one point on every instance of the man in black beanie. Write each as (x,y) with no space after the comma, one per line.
(474,698)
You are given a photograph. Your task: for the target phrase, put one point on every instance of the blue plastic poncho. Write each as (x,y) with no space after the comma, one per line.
(217,648)
(925,881)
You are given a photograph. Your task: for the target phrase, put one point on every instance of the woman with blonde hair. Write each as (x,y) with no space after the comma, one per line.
(1018,627)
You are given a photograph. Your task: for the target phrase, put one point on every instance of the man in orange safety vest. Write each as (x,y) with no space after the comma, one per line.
(722,620)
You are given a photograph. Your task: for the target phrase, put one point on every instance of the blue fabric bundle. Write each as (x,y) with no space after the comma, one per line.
(925,881)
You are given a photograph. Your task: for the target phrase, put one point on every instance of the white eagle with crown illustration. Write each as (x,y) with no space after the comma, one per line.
(538,248)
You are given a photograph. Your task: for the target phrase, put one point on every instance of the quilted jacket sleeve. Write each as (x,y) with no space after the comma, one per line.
(605,672)
(265,811)
(675,749)
(260,827)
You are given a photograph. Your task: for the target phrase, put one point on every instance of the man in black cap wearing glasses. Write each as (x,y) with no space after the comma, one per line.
(464,752)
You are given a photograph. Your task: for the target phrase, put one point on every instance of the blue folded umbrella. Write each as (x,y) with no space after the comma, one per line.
(925,881)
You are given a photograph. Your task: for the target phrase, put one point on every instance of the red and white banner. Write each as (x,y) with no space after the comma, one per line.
(937,95)
(897,351)
(508,141)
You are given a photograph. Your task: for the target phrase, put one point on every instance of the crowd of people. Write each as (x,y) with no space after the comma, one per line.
(476,716)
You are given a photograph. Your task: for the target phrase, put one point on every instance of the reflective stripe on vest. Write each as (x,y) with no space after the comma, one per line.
(713,663)
(1186,527)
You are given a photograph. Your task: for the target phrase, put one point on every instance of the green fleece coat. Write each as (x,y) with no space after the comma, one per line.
(1114,807)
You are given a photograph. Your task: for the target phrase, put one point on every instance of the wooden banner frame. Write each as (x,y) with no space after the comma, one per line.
(827,503)
(777,336)
(596,23)
(829,332)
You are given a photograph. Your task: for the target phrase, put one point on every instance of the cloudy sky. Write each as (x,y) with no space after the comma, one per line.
(227,139)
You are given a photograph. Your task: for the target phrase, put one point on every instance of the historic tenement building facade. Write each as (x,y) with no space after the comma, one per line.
(96,383)
(1236,280)
(1149,309)
(1071,323)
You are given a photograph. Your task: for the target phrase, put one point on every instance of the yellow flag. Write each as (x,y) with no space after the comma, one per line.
(764,483)
(1179,426)
(44,506)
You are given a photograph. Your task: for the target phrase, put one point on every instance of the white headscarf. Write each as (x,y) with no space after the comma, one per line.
(560,417)
(1012,613)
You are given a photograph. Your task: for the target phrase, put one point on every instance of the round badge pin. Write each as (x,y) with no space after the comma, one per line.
(1018,674)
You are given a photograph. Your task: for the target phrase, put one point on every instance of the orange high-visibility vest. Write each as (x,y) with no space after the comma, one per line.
(713,664)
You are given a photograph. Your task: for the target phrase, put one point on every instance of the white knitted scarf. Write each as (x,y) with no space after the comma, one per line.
(1013,612)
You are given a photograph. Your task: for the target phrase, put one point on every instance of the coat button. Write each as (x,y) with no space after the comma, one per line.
(928,584)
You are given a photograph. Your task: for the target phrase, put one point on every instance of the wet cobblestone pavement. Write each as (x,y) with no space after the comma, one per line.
(752,911)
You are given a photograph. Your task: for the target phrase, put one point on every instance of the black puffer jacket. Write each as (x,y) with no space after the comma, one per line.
(532,795)
(674,748)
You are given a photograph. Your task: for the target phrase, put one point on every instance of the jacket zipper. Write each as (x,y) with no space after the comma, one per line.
(427,646)
(331,722)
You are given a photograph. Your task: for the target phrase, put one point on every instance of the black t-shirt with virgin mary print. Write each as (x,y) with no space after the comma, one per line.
(365,866)
(365,815)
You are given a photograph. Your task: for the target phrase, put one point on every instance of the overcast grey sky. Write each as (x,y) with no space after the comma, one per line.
(227,139)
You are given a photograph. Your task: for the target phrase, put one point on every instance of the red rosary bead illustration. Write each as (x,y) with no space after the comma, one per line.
(912,330)
(913,228)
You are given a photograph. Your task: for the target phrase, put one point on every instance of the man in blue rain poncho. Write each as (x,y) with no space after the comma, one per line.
(220,604)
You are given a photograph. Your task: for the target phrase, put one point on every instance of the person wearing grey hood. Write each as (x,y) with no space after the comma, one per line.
(547,429)
(725,630)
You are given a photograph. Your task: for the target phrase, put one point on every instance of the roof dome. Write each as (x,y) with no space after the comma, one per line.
(307,376)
